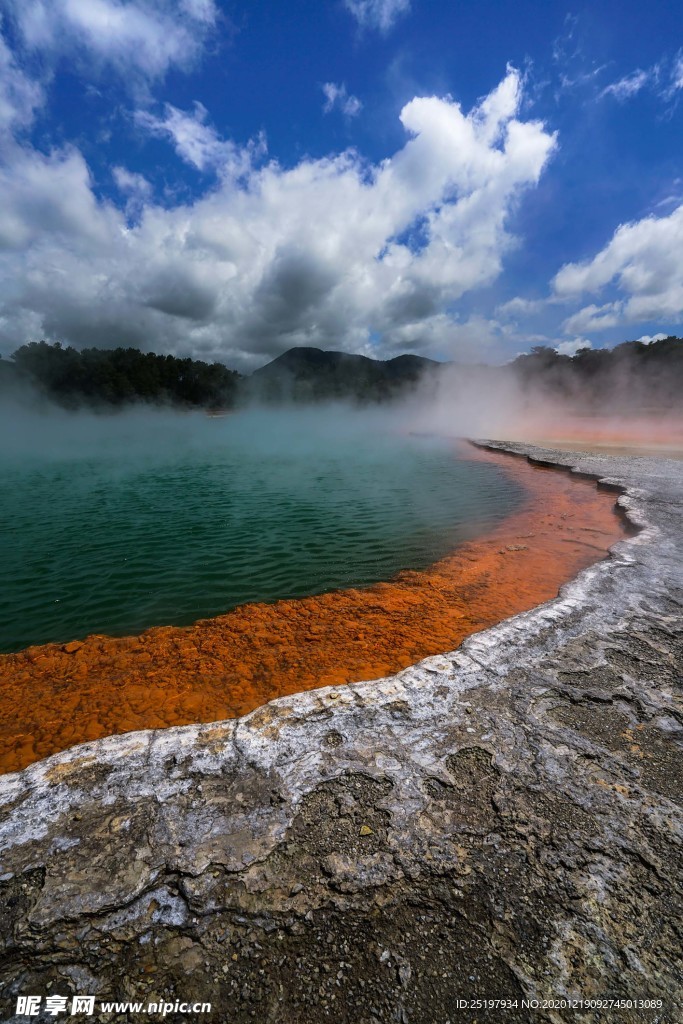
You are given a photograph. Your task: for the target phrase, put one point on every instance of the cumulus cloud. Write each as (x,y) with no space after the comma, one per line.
(642,260)
(570,348)
(378,14)
(50,197)
(471,339)
(337,97)
(333,252)
(594,318)
(140,39)
(647,339)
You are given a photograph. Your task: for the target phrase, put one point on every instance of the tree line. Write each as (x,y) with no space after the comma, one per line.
(642,375)
(119,377)
(646,375)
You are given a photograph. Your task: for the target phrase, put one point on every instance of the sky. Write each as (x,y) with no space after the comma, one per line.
(227,180)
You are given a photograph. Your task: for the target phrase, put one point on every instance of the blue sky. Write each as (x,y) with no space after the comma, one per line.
(227,180)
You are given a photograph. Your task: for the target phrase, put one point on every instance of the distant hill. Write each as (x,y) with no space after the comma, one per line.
(632,375)
(107,378)
(311,374)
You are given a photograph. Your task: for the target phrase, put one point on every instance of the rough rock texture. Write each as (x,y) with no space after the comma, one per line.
(502,822)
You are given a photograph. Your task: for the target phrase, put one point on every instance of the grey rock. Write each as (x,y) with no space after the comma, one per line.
(524,807)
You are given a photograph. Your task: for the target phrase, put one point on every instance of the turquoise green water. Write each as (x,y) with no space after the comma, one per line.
(114,524)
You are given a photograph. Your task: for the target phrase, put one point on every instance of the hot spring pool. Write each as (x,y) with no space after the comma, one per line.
(114,524)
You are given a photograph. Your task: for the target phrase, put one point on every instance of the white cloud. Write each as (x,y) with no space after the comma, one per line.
(517,307)
(629,85)
(197,143)
(570,348)
(379,14)
(594,318)
(50,197)
(643,261)
(674,199)
(580,79)
(132,183)
(136,189)
(676,82)
(19,95)
(665,78)
(678,72)
(201,10)
(647,339)
(337,96)
(445,336)
(332,252)
(140,39)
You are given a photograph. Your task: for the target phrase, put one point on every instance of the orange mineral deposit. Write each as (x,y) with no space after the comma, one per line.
(56,695)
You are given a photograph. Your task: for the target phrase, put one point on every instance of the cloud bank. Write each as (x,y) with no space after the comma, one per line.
(642,262)
(334,252)
(139,39)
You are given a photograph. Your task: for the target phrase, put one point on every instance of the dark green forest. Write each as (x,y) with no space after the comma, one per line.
(644,376)
(118,377)
(648,376)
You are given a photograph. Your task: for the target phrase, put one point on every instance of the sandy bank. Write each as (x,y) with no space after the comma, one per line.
(613,448)
(658,435)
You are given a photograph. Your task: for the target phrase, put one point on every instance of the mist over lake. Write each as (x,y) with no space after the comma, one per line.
(112,524)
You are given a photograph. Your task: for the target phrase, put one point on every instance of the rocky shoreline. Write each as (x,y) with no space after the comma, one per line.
(498,823)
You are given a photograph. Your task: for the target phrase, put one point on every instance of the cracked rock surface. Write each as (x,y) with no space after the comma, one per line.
(500,822)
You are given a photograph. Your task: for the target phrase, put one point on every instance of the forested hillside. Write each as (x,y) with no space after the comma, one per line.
(644,376)
(119,376)
(633,374)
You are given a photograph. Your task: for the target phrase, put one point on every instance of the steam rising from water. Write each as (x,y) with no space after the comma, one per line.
(494,402)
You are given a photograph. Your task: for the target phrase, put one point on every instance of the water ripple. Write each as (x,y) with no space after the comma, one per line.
(141,536)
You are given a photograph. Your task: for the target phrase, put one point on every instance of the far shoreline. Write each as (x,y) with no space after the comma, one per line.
(661,451)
